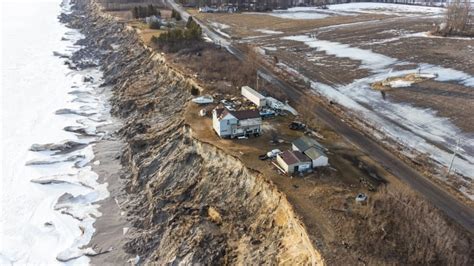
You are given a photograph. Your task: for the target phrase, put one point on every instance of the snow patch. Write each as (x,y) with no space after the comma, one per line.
(299,15)
(369,59)
(387,9)
(271,32)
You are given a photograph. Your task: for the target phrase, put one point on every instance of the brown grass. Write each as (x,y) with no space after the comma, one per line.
(245,24)
(400,226)
(220,71)
(459,18)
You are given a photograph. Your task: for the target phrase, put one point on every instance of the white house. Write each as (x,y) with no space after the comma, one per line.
(252,95)
(293,162)
(311,148)
(232,124)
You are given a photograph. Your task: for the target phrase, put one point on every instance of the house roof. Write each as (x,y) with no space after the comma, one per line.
(304,143)
(240,115)
(314,153)
(293,157)
(219,112)
(245,114)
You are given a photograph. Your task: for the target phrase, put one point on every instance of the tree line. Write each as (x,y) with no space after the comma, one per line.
(145,11)
(177,39)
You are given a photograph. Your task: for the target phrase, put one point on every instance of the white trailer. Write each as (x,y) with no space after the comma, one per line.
(258,99)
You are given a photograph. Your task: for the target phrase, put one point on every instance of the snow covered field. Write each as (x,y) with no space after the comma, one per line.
(387,9)
(411,126)
(43,223)
(352,9)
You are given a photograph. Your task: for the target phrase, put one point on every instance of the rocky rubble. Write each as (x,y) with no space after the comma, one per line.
(188,201)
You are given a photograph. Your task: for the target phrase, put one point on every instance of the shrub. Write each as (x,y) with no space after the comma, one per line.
(145,11)
(458,19)
(155,25)
(176,15)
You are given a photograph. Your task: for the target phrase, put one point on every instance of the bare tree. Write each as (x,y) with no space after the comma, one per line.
(458,19)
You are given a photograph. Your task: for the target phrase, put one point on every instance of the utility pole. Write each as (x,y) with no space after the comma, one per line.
(454,156)
(257,81)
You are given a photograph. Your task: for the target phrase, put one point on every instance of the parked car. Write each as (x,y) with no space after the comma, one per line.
(296,125)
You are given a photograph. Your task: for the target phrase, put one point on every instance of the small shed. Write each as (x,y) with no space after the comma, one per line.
(252,95)
(311,148)
(293,161)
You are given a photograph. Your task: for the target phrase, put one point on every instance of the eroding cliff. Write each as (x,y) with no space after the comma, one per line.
(188,201)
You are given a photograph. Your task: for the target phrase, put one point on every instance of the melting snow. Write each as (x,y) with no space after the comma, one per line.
(411,126)
(299,13)
(269,31)
(368,58)
(387,9)
(218,27)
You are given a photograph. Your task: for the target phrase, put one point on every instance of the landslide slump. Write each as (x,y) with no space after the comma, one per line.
(188,201)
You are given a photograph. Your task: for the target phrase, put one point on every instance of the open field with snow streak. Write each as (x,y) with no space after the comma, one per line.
(341,51)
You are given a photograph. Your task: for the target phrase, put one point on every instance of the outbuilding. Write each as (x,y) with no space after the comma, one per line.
(252,95)
(293,162)
(311,148)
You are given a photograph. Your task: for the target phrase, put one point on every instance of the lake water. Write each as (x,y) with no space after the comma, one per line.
(35,83)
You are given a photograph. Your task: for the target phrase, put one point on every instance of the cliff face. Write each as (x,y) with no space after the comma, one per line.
(188,201)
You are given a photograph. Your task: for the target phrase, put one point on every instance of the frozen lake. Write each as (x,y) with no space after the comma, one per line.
(35,229)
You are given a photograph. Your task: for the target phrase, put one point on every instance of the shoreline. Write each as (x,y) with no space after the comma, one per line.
(109,234)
